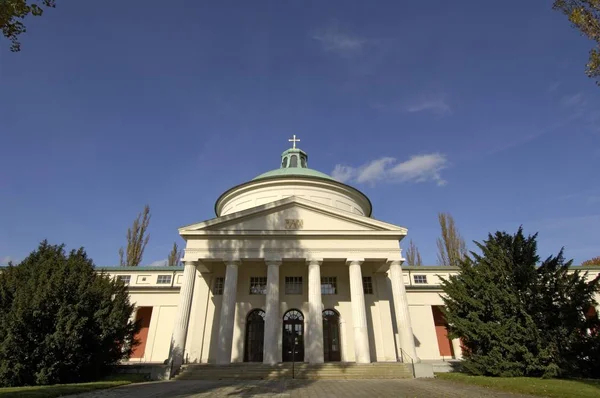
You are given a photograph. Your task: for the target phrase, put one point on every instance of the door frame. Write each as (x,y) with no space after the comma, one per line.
(338,324)
(298,320)
(254,313)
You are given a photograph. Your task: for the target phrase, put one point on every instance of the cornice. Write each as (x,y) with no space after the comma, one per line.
(296,180)
(232,218)
(295,233)
(141,269)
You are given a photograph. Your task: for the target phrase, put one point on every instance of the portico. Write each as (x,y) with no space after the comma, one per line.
(293,268)
(321,295)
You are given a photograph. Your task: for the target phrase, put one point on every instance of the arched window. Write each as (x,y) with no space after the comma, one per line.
(255,334)
(303,161)
(294,161)
(284,162)
(293,315)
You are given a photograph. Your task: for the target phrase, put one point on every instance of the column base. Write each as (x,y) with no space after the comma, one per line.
(360,336)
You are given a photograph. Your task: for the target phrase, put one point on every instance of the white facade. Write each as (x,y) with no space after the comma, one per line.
(298,242)
(201,344)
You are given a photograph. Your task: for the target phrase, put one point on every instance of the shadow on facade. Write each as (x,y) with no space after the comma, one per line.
(251,239)
(394,323)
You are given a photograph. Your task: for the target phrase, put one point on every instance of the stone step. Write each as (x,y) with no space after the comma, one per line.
(301,371)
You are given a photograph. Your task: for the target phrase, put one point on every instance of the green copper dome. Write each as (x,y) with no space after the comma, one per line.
(292,172)
(294,163)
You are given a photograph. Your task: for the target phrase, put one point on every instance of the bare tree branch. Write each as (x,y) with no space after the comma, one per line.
(591,261)
(413,256)
(174,256)
(137,239)
(451,246)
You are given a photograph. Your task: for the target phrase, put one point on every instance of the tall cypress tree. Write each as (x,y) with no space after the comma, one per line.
(517,317)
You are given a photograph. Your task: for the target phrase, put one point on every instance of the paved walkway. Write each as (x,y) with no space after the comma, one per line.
(429,388)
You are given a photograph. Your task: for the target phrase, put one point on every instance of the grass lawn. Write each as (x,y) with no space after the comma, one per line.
(555,388)
(60,390)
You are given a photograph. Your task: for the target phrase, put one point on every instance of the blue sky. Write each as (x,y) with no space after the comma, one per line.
(480,109)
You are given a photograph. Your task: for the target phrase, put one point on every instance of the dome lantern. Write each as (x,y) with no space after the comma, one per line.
(294,162)
(294,157)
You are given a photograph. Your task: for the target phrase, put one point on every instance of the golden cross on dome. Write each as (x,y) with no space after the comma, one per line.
(294,140)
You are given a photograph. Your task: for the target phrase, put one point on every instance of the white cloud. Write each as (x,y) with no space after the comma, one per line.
(588,196)
(419,168)
(5,260)
(437,104)
(342,173)
(567,223)
(553,87)
(333,40)
(573,100)
(159,263)
(374,170)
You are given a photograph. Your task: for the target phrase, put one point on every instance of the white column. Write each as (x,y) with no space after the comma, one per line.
(272,318)
(314,332)
(407,341)
(227,318)
(456,348)
(343,341)
(182,319)
(359,314)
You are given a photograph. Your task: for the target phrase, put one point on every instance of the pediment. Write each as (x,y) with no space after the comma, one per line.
(292,215)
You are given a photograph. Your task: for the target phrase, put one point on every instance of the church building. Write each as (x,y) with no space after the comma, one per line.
(292,268)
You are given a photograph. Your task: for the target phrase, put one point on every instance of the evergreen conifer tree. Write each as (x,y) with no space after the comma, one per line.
(61,321)
(518,318)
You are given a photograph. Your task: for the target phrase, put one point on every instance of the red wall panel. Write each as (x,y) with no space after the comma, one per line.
(143,315)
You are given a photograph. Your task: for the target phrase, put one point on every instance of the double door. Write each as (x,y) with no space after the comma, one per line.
(293,336)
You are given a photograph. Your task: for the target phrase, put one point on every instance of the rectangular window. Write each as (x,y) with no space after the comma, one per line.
(219,285)
(124,278)
(367,285)
(163,279)
(422,279)
(258,285)
(328,285)
(293,285)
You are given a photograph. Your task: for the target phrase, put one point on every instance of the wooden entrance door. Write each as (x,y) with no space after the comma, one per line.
(255,335)
(331,336)
(293,336)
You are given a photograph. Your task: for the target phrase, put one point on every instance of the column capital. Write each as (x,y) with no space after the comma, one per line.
(351,261)
(395,262)
(273,261)
(232,261)
(188,262)
(314,261)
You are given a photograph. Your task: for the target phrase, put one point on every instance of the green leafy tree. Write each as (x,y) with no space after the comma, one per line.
(591,261)
(517,317)
(137,239)
(174,256)
(12,14)
(413,256)
(585,15)
(451,246)
(61,321)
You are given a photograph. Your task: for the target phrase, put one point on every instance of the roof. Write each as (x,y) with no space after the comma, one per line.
(292,171)
(141,268)
(284,203)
